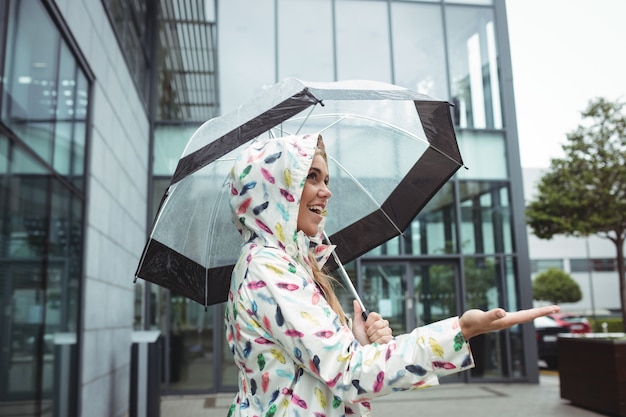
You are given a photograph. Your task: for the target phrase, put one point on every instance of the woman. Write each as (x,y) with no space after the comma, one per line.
(295,349)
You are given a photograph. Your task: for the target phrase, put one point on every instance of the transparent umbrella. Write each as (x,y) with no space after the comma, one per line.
(390,150)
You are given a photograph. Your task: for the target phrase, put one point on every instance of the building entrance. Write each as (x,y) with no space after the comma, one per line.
(411,293)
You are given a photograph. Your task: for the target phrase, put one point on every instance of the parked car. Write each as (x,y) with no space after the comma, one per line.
(547,331)
(575,322)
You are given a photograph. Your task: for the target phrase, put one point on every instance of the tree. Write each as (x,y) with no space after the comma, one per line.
(556,286)
(584,192)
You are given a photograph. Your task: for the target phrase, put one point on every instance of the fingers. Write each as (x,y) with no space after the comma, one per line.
(524,316)
(474,322)
(378,329)
(356,307)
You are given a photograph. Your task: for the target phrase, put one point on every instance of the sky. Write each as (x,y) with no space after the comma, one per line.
(564,54)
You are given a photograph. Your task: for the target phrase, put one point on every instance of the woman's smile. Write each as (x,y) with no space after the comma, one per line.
(315,195)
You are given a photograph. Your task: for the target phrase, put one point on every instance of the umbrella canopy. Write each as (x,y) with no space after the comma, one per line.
(390,150)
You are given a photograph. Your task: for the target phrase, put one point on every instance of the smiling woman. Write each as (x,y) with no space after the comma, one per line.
(290,339)
(315,193)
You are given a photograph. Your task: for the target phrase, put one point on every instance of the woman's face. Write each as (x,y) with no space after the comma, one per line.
(315,195)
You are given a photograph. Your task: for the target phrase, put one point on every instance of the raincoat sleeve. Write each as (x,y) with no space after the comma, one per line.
(301,321)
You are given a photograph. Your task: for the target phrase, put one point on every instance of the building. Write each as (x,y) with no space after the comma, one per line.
(98,100)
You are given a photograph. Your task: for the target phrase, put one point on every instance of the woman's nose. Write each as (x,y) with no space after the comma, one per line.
(325,191)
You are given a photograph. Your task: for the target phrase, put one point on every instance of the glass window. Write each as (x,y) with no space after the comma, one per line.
(486,217)
(481,2)
(169,143)
(604,265)
(44,109)
(305,40)
(473,58)
(579,265)
(362,32)
(474,145)
(418,48)
(71,113)
(433,231)
(131,25)
(391,247)
(45,97)
(40,267)
(250,65)
(31,77)
(540,265)
(597,265)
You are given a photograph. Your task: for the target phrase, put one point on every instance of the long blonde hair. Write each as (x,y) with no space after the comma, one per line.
(323,280)
(325,283)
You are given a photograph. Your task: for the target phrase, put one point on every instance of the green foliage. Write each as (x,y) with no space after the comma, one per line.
(613,324)
(556,286)
(584,192)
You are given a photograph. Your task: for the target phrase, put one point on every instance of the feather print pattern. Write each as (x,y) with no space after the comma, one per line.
(293,354)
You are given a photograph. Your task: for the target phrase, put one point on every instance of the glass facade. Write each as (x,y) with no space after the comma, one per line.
(460,252)
(43,137)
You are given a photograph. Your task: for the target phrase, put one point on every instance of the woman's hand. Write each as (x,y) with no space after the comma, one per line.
(374,330)
(475,322)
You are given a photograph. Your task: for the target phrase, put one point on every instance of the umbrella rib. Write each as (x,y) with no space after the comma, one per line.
(210,239)
(305,119)
(346,279)
(367,193)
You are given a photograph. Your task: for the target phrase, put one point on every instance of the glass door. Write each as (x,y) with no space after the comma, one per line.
(412,293)
(385,291)
(434,288)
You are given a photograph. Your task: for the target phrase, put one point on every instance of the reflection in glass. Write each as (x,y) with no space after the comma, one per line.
(433,231)
(384,291)
(418,48)
(473,59)
(483,283)
(362,32)
(305,40)
(486,217)
(44,107)
(474,145)
(40,263)
(169,143)
(190,345)
(45,97)
(435,292)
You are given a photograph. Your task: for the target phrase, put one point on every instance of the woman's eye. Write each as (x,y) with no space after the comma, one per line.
(312,176)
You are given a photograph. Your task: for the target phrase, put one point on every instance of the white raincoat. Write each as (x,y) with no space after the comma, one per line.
(295,358)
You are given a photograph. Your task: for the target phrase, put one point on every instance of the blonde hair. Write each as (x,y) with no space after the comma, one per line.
(323,280)
(325,283)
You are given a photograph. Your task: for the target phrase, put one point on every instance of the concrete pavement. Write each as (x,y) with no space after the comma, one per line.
(447,400)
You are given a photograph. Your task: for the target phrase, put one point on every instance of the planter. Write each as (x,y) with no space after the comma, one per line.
(592,372)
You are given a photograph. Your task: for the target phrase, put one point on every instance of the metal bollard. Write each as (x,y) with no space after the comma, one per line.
(145,368)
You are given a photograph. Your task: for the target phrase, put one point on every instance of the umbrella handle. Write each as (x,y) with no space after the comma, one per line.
(365,312)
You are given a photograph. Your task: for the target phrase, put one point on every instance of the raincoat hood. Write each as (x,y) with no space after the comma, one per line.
(266,184)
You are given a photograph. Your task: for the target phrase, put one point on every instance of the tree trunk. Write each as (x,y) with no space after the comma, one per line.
(622,276)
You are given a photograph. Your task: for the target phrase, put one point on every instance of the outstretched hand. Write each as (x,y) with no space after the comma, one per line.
(374,330)
(476,322)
